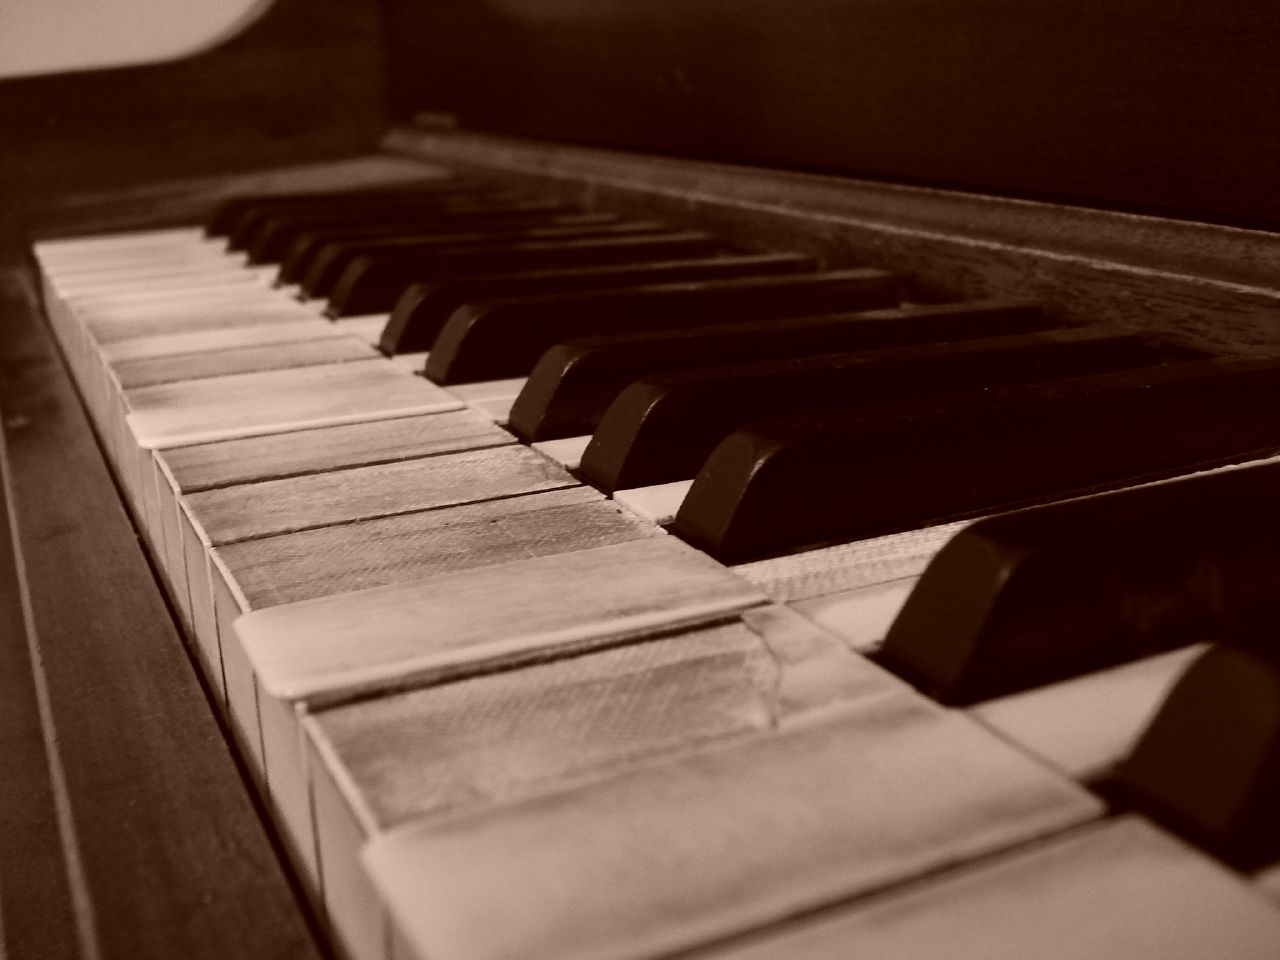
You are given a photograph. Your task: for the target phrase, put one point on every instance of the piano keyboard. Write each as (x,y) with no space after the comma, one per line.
(505,701)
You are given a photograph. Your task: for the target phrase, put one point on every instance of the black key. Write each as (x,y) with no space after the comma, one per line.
(663,428)
(506,338)
(573,383)
(1038,596)
(1208,767)
(255,225)
(423,309)
(275,234)
(790,483)
(374,284)
(309,240)
(334,259)
(232,213)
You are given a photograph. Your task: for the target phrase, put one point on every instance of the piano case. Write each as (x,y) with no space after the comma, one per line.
(1114,163)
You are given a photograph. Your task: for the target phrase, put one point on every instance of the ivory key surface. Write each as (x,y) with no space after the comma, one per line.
(269,507)
(1086,725)
(276,401)
(1115,890)
(154,371)
(492,739)
(671,855)
(481,619)
(199,341)
(228,462)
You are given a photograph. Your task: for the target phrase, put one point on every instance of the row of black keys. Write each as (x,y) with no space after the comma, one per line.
(810,406)
(893,418)
(1047,594)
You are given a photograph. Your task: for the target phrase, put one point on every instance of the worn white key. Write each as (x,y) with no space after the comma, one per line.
(566,452)
(829,571)
(494,617)
(367,328)
(414,363)
(228,462)
(162,238)
(122,364)
(231,275)
(1086,725)
(338,497)
(135,374)
(191,296)
(1267,883)
(670,855)
(202,411)
(496,409)
(200,341)
(658,504)
(160,266)
(1116,890)
(379,763)
(188,470)
(140,267)
(861,616)
(487,389)
(326,561)
(271,507)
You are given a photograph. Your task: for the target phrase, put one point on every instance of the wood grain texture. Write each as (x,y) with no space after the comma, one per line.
(209,465)
(464,622)
(277,401)
(175,344)
(173,858)
(830,570)
(1117,890)
(1216,287)
(330,560)
(37,910)
(271,507)
(496,738)
(670,855)
(132,374)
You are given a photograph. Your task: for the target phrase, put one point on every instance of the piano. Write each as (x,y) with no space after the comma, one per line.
(721,481)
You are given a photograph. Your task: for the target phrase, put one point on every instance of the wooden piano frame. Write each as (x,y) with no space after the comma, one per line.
(126,822)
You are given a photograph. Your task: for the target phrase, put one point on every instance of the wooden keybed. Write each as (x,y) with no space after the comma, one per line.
(1208,286)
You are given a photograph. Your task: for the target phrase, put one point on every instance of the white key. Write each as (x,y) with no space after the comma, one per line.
(375,764)
(1117,890)
(566,452)
(658,504)
(1086,725)
(667,856)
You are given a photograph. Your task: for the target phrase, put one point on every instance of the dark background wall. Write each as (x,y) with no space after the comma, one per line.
(305,82)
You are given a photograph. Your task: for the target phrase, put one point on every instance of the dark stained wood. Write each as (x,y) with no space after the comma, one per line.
(37,916)
(175,859)
(1215,287)
(1141,105)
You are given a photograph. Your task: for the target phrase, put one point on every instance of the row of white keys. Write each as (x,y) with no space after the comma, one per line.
(332,693)
(170,418)
(1116,890)
(376,764)
(324,785)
